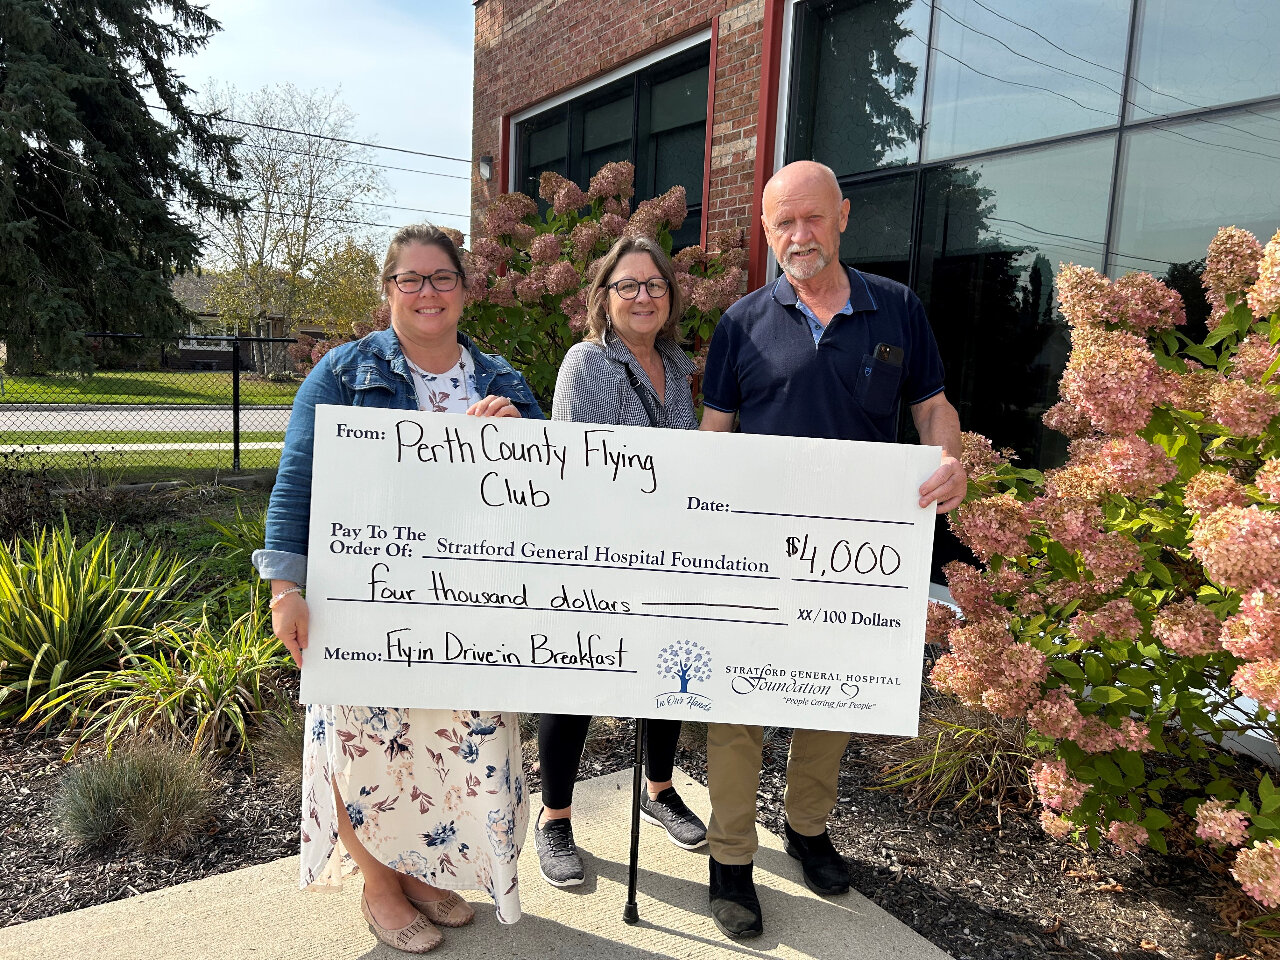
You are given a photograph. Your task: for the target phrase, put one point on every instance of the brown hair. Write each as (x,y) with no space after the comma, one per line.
(598,294)
(427,235)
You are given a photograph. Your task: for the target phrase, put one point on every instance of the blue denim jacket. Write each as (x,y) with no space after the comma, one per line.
(371,372)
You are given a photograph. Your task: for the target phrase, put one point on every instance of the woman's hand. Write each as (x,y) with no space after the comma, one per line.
(492,406)
(290,619)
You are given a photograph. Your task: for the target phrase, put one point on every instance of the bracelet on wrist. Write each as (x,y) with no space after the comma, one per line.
(281,595)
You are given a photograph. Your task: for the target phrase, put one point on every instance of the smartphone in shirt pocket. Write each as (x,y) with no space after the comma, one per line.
(880,379)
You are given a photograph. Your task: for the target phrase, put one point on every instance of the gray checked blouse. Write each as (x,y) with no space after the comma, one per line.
(594,386)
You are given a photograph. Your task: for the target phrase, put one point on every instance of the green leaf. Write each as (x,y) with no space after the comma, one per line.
(1109,772)
(1107,694)
(1096,669)
(1135,676)
(1131,763)
(1156,819)
(1223,330)
(1068,668)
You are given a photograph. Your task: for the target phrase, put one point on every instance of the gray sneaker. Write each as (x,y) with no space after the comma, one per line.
(558,859)
(667,810)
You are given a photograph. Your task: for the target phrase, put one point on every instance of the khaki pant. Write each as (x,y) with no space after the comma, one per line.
(734,753)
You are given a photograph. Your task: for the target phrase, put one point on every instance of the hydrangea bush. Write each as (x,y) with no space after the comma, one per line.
(528,272)
(1127,599)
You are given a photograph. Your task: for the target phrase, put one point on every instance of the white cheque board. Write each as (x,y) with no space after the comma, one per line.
(541,566)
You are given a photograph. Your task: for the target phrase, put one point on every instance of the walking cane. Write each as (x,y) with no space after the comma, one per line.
(630,912)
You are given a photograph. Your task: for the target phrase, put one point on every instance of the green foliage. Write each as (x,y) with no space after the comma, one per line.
(150,795)
(960,755)
(91,229)
(238,538)
(68,608)
(198,682)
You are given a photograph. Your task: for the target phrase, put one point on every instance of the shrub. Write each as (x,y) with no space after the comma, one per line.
(199,683)
(68,608)
(150,795)
(238,538)
(278,748)
(960,755)
(26,503)
(1129,597)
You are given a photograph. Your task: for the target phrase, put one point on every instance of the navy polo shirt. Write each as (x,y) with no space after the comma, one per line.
(764,365)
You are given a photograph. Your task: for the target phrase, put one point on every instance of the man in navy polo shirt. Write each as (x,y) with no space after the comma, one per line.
(824,351)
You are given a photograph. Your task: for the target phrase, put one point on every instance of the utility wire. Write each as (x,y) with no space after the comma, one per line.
(363,163)
(362,203)
(318,136)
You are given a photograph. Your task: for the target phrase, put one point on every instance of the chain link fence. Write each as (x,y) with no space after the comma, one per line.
(153,409)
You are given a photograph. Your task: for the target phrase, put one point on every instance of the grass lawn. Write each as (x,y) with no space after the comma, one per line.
(143,387)
(106,437)
(140,466)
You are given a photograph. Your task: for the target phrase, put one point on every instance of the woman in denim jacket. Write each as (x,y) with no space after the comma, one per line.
(425,802)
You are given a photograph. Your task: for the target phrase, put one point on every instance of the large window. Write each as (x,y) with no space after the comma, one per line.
(982,143)
(655,118)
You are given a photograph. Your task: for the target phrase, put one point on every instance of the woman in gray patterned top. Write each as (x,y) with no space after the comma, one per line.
(628,370)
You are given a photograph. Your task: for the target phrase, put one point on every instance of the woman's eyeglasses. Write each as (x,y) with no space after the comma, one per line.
(442,281)
(630,289)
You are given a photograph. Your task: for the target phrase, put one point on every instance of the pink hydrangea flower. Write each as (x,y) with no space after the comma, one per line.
(1129,466)
(978,456)
(1257,870)
(1191,390)
(1113,379)
(1260,681)
(940,620)
(614,225)
(1210,490)
(1253,357)
(1114,620)
(1239,547)
(545,248)
(1067,420)
(561,278)
(506,214)
(988,668)
(1055,825)
(1187,627)
(490,250)
(575,308)
(673,208)
(1129,837)
(993,526)
(1231,266)
(1219,823)
(1111,559)
(972,594)
(1243,408)
(1076,524)
(1083,295)
(612,180)
(1145,305)
(584,237)
(1056,716)
(1055,786)
(690,257)
(1264,295)
(1267,480)
(1254,632)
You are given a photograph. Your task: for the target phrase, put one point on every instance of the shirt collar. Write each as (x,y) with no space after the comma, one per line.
(667,348)
(860,298)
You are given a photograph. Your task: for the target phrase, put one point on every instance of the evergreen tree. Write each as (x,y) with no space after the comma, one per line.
(91,180)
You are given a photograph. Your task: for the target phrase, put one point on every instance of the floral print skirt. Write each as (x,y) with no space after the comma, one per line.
(437,794)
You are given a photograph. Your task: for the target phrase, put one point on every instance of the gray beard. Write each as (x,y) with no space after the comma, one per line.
(805,271)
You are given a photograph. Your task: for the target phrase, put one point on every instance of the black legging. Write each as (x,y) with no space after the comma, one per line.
(561,737)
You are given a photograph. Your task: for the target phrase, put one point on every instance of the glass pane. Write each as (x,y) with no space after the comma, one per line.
(607,124)
(1181,180)
(858,82)
(1193,53)
(678,159)
(992,235)
(548,144)
(679,101)
(878,237)
(1012,71)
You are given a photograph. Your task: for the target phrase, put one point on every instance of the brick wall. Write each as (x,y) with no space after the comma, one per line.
(529,50)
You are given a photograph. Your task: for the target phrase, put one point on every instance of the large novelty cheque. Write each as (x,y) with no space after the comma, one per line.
(537,566)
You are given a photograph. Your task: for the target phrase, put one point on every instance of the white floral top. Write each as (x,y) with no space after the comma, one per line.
(438,794)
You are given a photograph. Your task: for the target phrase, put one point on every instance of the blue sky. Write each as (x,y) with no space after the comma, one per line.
(383,55)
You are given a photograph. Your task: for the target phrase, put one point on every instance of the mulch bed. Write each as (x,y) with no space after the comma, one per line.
(979,884)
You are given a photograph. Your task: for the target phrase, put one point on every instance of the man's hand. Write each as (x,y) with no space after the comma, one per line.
(947,485)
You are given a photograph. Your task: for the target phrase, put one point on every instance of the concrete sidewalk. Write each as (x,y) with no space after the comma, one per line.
(259,913)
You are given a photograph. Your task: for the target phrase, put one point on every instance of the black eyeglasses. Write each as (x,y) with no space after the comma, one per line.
(630,289)
(442,281)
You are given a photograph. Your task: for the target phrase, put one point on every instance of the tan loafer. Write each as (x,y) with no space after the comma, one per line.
(419,936)
(452,911)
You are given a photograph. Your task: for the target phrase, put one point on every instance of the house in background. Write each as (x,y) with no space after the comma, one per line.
(980,142)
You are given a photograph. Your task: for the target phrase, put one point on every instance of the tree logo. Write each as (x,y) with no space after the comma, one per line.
(685,661)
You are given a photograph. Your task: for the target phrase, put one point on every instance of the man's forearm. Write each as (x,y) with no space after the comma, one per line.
(940,427)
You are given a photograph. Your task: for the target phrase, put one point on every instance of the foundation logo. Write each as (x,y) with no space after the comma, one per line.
(684,662)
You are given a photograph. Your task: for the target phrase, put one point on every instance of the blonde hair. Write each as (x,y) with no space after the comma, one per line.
(598,295)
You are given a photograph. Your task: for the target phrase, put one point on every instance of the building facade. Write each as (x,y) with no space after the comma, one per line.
(981,143)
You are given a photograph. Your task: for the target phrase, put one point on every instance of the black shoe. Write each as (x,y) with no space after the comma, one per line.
(734,905)
(667,810)
(825,872)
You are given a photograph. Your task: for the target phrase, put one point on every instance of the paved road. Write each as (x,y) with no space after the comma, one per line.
(128,447)
(205,419)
